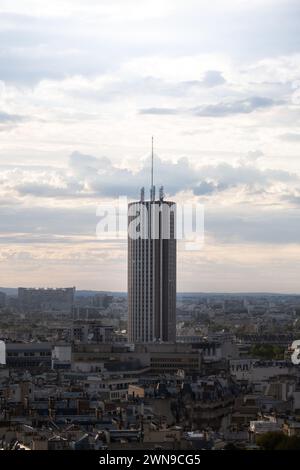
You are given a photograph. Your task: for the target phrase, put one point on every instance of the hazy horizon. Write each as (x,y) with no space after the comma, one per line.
(237,293)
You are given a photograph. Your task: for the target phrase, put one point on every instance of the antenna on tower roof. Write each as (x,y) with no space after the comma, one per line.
(161,193)
(152,162)
(142,194)
(152,189)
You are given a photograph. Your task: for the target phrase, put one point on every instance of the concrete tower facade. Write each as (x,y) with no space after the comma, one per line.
(151,270)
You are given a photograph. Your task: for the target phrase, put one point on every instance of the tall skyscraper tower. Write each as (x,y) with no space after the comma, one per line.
(151,268)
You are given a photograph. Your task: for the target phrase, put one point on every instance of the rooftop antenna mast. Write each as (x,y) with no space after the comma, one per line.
(152,191)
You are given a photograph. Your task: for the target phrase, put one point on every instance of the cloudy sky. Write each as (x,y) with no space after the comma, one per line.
(83,86)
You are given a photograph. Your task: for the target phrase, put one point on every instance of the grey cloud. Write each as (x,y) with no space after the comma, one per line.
(88,176)
(207,188)
(44,225)
(251,157)
(244,106)
(254,155)
(213,78)
(89,43)
(210,79)
(91,177)
(45,48)
(222,109)
(10,118)
(54,47)
(84,164)
(290,137)
(246,174)
(46,190)
(40,48)
(159,111)
(149,85)
(254,226)
(43,220)
(292,198)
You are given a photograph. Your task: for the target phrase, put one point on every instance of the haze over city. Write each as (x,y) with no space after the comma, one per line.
(84,86)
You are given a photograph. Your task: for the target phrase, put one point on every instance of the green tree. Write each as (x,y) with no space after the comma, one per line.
(270,440)
(278,441)
(267,351)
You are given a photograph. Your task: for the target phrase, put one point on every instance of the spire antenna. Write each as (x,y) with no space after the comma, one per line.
(152,155)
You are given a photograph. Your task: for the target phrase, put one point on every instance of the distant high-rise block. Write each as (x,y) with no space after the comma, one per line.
(46,300)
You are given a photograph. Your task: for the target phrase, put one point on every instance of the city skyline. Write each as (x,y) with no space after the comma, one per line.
(84,85)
